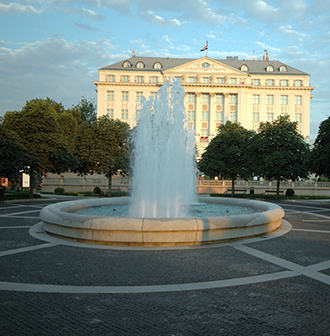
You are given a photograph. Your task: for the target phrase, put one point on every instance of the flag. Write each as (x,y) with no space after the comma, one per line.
(206,47)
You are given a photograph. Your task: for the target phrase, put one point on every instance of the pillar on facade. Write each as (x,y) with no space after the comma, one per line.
(198,115)
(212,115)
(225,107)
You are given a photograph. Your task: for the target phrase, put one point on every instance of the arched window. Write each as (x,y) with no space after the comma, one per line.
(283,68)
(270,68)
(244,67)
(127,64)
(140,65)
(157,65)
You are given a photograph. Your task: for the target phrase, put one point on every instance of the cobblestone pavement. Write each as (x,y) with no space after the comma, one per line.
(278,286)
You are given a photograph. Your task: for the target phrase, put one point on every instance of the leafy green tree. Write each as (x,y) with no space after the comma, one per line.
(87,110)
(12,153)
(102,147)
(319,160)
(69,128)
(226,155)
(38,128)
(279,151)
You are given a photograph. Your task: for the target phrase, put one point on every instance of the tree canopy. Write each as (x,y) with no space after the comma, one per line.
(279,151)
(320,155)
(87,110)
(226,155)
(40,133)
(12,153)
(102,147)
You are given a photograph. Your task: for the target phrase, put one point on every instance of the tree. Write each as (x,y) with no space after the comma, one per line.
(87,110)
(319,160)
(40,132)
(102,147)
(12,153)
(226,155)
(279,151)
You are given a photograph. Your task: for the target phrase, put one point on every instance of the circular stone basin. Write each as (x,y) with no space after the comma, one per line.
(59,219)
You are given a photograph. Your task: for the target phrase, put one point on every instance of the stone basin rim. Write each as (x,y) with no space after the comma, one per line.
(59,219)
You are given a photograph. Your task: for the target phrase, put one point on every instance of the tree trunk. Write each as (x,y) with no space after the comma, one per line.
(278,189)
(233,185)
(31,183)
(109,182)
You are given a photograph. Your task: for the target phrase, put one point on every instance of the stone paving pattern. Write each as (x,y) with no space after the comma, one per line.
(297,305)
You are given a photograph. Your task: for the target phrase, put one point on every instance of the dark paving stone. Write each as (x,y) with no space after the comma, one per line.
(65,265)
(297,306)
(16,238)
(12,221)
(302,248)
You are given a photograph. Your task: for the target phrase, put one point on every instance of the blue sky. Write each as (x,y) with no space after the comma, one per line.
(54,48)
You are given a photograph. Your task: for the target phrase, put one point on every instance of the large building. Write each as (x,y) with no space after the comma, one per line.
(244,91)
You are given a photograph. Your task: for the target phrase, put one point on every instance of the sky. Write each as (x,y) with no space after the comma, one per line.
(54,48)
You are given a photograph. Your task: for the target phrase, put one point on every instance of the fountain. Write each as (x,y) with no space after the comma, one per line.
(164,184)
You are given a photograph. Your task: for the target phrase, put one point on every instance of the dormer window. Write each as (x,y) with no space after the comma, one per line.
(244,67)
(140,65)
(157,65)
(127,64)
(283,68)
(270,68)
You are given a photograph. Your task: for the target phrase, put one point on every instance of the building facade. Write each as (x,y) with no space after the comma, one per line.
(244,91)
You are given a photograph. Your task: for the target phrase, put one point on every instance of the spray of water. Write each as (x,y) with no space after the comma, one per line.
(164,172)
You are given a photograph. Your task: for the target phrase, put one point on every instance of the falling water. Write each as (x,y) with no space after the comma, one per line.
(164,173)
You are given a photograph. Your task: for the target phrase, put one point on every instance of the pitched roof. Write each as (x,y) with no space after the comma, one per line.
(254,66)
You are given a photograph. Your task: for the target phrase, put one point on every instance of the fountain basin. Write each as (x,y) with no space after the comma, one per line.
(59,219)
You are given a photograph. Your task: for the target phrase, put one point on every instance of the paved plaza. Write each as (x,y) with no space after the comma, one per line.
(274,285)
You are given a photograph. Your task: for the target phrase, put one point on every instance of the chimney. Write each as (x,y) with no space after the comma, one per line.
(266,56)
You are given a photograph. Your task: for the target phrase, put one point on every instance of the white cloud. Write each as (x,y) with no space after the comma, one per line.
(296,9)
(150,16)
(61,70)
(263,12)
(290,31)
(14,7)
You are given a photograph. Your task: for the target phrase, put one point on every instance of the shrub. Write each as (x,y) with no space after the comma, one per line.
(59,190)
(97,191)
(289,192)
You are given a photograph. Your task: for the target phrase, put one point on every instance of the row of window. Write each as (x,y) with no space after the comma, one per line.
(283,82)
(205,98)
(141,65)
(125,95)
(158,65)
(138,79)
(269,68)
(232,116)
(218,80)
(270,100)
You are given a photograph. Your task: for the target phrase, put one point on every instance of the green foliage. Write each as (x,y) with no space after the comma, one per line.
(279,152)
(87,110)
(59,190)
(12,153)
(40,131)
(11,195)
(319,160)
(102,147)
(289,192)
(226,155)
